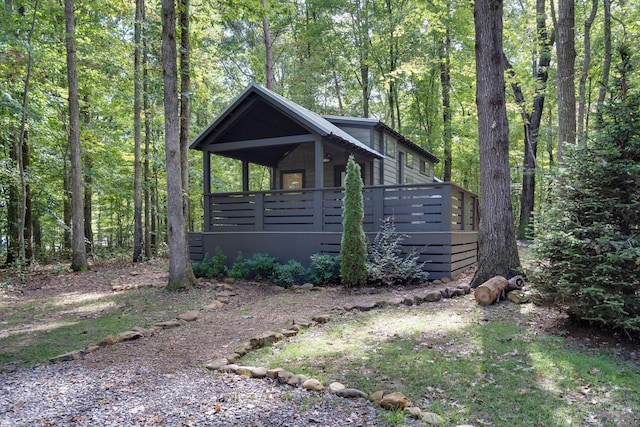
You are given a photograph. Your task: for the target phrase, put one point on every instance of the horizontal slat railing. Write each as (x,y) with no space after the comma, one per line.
(415,208)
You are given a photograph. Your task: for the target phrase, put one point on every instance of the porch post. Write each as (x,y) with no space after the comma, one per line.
(245,175)
(319,185)
(206,166)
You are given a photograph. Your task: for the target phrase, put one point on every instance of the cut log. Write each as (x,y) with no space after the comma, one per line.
(515,283)
(489,292)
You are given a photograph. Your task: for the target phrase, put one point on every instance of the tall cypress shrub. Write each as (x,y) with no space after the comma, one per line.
(353,248)
(588,242)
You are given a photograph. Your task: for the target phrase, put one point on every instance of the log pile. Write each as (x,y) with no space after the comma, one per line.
(496,289)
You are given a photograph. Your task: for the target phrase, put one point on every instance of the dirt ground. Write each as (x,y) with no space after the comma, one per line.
(253,308)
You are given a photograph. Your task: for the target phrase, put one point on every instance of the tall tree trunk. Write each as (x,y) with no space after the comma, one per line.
(66,203)
(445,83)
(88,205)
(137,135)
(13,214)
(606,65)
(266,33)
(586,64)
(78,253)
(148,244)
(28,203)
(180,273)
(185,104)
(497,251)
(566,53)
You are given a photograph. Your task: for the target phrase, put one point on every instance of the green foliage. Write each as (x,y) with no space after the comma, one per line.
(289,274)
(386,265)
(239,269)
(324,269)
(353,248)
(589,241)
(211,267)
(262,266)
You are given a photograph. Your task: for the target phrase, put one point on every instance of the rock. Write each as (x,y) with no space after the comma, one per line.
(143,331)
(335,386)
(395,400)
(214,305)
(321,318)
(224,300)
(466,288)
(273,373)
(455,292)
(312,384)
(233,357)
(445,280)
(303,323)
(289,332)
(214,365)
(108,340)
(169,324)
(128,336)
(265,339)
(283,376)
(230,368)
(277,289)
(244,370)
(296,380)
(365,305)
(306,287)
(67,357)
(351,393)
(396,301)
(431,296)
(414,411)
(92,349)
(258,372)
(225,294)
(228,281)
(376,396)
(409,301)
(431,418)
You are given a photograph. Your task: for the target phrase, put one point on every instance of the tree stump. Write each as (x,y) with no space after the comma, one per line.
(489,292)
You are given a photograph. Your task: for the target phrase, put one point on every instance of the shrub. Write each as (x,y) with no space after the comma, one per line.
(324,269)
(289,274)
(261,266)
(211,267)
(588,241)
(353,247)
(386,264)
(239,269)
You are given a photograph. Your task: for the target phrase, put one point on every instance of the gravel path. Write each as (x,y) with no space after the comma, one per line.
(135,394)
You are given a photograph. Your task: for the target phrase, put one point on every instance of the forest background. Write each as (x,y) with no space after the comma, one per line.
(409,63)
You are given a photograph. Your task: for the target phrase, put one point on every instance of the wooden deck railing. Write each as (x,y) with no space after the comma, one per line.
(415,208)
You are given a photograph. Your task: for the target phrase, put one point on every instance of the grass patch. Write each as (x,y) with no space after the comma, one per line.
(32,331)
(485,366)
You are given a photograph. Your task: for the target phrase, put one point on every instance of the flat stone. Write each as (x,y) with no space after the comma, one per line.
(108,340)
(289,332)
(230,368)
(169,324)
(283,376)
(67,357)
(143,331)
(214,305)
(395,400)
(466,288)
(214,365)
(414,411)
(233,357)
(224,300)
(296,380)
(244,370)
(352,393)
(225,294)
(445,280)
(376,396)
(321,318)
(189,316)
(335,386)
(128,336)
(258,372)
(312,384)
(365,306)
(431,296)
(431,418)
(395,301)
(265,339)
(303,323)
(273,373)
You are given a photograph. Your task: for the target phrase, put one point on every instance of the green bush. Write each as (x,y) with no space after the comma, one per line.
(588,240)
(239,269)
(261,266)
(353,247)
(211,267)
(386,265)
(324,269)
(289,274)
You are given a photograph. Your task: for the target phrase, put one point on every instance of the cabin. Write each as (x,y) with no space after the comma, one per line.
(300,214)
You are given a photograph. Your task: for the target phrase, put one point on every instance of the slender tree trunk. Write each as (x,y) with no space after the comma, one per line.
(28,203)
(66,203)
(566,53)
(78,253)
(606,65)
(586,65)
(88,205)
(180,273)
(445,83)
(185,104)
(13,215)
(137,135)
(497,251)
(148,244)
(266,32)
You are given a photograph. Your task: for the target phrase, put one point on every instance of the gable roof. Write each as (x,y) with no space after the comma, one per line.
(306,119)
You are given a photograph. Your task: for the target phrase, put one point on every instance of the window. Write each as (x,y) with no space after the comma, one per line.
(390,146)
(410,160)
(423,167)
(292,180)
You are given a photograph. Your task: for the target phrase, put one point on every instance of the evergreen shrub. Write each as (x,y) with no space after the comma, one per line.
(324,269)
(289,274)
(211,267)
(239,269)
(353,247)
(261,266)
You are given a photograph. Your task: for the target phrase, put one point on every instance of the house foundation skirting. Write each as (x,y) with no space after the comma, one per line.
(445,254)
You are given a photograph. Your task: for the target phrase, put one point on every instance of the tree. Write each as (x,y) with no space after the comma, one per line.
(565,75)
(78,250)
(180,272)
(353,247)
(497,251)
(137,134)
(588,245)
